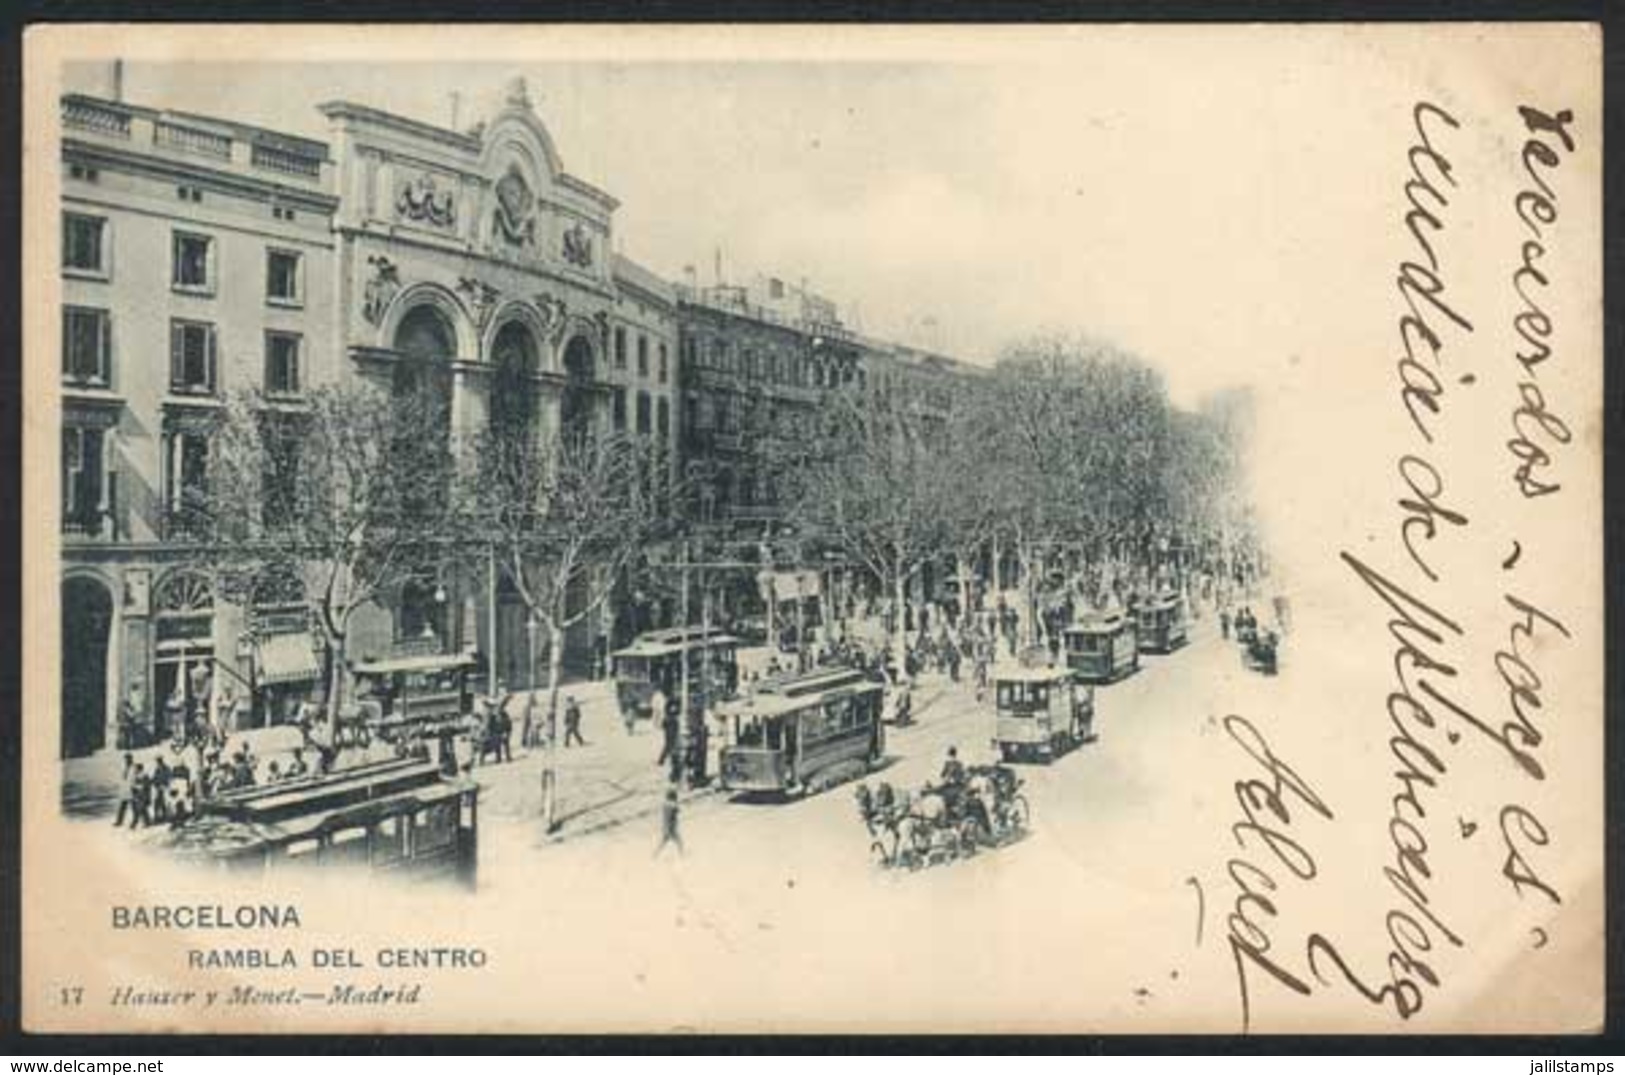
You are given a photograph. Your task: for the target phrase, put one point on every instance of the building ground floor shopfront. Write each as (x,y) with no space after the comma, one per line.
(148,644)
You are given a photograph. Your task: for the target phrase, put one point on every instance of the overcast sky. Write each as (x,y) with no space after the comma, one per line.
(1168,199)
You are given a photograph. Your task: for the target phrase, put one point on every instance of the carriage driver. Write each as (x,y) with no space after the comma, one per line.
(953,771)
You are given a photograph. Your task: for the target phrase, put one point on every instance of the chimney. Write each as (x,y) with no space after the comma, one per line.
(718,266)
(118,81)
(456,103)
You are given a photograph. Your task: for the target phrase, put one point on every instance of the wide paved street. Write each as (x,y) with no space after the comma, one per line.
(763,884)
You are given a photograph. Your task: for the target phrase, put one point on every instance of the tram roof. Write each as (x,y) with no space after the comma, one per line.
(769,702)
(428,662)
(1099,623)
(675,640)
(1032,675)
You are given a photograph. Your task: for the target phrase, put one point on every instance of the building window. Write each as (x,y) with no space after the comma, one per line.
(87,352)
(80,171)
(186,481)
(643,413)
(665,370)
(282,282)
(82,480)
(280,477)
(620,348)
(643,356)
(282,363)
(193,257)
(191,358)
(84,245)
(719,354)
(618,409)
(663,419)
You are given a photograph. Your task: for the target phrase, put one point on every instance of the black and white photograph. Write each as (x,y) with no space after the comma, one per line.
(814,528)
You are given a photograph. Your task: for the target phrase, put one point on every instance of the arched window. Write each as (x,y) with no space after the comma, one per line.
(183,649)
(576,406)
(513,360)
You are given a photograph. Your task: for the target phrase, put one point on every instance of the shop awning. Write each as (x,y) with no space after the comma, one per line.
(288,658)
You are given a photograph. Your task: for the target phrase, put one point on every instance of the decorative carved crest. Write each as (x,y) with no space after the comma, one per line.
(554,315)
(578,246)
(421,199)
(482,296)
(380,289)
(516,209)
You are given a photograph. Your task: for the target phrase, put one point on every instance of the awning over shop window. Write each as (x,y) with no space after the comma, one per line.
(288,658)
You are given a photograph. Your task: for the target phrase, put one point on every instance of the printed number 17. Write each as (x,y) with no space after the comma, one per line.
(73,995)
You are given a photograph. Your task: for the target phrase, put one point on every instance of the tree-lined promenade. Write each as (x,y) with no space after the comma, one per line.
(1062,479)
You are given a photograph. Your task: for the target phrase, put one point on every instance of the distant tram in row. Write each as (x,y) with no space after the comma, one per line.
(655,660)
(1102,648)
(1160,624)
(803,732)
(400,819)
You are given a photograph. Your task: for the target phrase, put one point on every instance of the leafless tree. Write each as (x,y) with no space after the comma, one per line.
(869,478)
(562,516)
(345,490)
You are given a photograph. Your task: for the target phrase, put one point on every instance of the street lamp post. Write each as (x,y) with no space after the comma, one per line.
(531,624)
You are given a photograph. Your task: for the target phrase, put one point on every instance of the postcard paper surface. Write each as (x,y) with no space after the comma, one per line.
(565,529)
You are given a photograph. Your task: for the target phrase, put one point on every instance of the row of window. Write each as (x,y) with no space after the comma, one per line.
(792,369)
(87,250)
(87,354)
(618,414)
(664,373)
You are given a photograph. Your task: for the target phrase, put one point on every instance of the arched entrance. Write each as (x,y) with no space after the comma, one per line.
(183,650)
(87,621)
(513,360)
(575,409)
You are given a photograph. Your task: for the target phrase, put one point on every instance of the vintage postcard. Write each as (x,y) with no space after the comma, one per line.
(814,528)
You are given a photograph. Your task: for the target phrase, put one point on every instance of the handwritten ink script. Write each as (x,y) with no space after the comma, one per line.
(1432,723)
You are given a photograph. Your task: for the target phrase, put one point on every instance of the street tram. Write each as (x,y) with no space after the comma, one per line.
(655,660)
(409,697)
(400,819)
(1041,712)
(1160,625)
(803,732)
(1102,648)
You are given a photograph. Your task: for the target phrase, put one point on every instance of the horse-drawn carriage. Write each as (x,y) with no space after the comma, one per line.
(945,821)
(1258,652)
(1258,644)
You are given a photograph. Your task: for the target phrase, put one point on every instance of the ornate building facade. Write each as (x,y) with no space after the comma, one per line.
(201,257)
(474,256)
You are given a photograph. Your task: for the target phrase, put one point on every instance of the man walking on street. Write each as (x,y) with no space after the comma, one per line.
(504,730)
(572,722)
(668,731)
(126,804)
(668,823)
(141,797)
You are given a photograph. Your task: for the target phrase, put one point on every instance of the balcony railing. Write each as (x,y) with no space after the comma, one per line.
(191,140)
(272,159)
(92,116)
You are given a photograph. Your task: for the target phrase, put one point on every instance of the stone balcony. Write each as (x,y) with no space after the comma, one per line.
(228,146)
